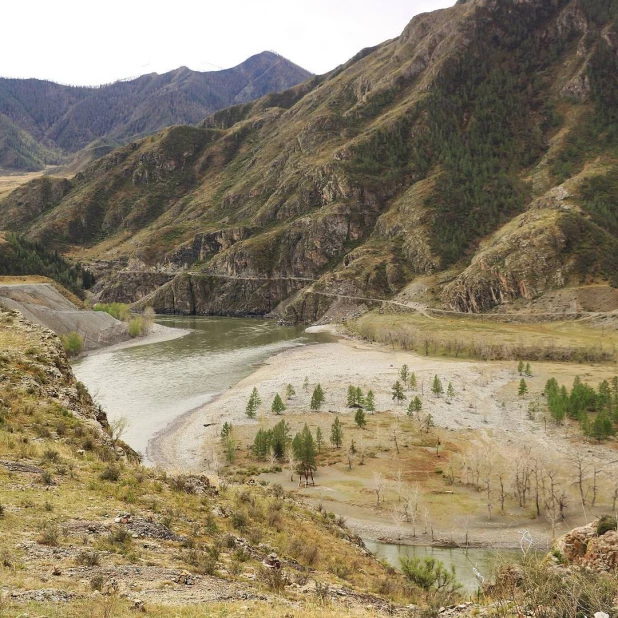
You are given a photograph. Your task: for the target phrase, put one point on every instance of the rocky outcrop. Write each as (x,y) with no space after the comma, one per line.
(522,260)
(193,294)
(593,546)
(205,245)
(129,286)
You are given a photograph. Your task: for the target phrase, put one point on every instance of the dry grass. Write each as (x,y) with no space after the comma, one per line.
(465,337)
(69,489)
(10,182)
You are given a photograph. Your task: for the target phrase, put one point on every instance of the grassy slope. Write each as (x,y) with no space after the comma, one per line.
(46,513)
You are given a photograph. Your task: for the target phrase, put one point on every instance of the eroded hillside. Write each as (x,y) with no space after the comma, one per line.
(476,152)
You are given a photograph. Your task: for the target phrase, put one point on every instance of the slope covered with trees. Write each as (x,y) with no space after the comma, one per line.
(477,152)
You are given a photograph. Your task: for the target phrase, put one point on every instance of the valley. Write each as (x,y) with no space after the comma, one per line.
(283,344)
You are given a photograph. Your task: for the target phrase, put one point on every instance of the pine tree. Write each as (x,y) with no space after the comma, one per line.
(279,438)
(360,398)
(253,404)
(404,374)
(520,367)
(289,392)
(428,423)
(523,388)
(306,384)
(411,410)
(317,399)
(436,387)
(277,407)
(351,396)
(336,433)
(359,418)
(398,394)
(261,444)
(319,439)
(450,391)
(226,430)
(304,450)
(370,404)
(528,370)
(412,381)
(418,404)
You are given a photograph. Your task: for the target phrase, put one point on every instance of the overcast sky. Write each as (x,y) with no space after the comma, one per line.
(100,41)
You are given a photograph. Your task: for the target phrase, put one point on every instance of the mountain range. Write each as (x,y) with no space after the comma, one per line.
(41,121)
(471,164)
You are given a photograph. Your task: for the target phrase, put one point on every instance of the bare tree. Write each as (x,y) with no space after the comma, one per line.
(398,520)
(117,428)
(581,475)
(378,486)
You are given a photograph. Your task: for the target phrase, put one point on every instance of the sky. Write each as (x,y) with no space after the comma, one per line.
(92,42)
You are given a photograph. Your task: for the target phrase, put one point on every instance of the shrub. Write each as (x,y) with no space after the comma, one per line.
(275,579)
(137,327)
(605,524)
(72,343)
(88,558)
(429,574)
(96,583)
(50,534)
(111,473)
(120,311)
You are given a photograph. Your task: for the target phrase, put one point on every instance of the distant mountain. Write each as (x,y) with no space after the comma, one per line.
(41,120)
(471,163)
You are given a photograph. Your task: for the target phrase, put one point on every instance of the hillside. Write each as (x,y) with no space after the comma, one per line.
(469,164)
(85,528)
(40,120)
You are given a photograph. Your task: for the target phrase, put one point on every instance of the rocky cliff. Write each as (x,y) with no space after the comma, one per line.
(478,150)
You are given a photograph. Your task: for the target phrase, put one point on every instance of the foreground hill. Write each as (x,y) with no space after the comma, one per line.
(87,529)
(40,120)
(475,157)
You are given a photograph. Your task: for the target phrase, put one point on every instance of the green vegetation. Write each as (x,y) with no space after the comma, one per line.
(273,441)
(317,398)
(370,404)
(73,343)
(359,418)
(277,406)
(523,388)
(597,411)
(356,399)
(289,392)
(304,450)
(253,404)
(430,574)
(397,392)
(18,257)
(120,311)
(336,433)
(436,387)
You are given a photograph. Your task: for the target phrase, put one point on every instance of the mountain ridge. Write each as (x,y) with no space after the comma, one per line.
(68,118)
(476,152)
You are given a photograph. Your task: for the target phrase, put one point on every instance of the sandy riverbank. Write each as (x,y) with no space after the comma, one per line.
(157,334)
(485,413)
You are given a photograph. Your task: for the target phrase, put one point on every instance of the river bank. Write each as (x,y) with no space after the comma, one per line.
(485,418)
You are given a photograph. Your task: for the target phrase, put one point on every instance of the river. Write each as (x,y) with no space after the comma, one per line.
(464,560)
(152,385)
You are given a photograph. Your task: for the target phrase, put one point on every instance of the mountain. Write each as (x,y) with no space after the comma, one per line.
(470,163)
(66,119)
